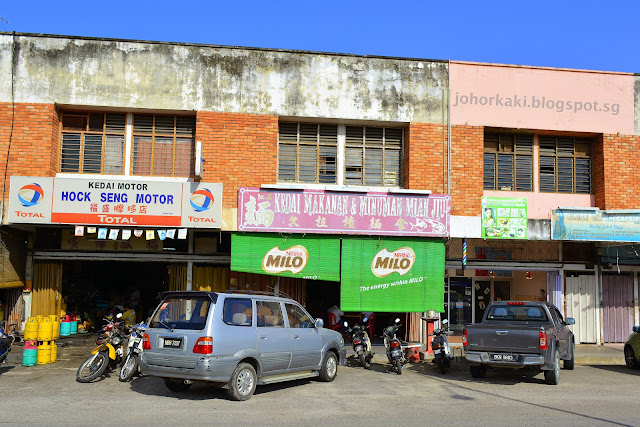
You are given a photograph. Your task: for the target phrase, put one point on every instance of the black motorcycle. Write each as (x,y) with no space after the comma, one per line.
(440,346)
(392,343)
(361,343)
(6,341)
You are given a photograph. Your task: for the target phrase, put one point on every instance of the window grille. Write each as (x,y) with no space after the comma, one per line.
(307,153)
(372,156)
(565,164)
(508,161)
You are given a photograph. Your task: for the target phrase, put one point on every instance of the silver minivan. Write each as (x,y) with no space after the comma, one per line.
(238,340)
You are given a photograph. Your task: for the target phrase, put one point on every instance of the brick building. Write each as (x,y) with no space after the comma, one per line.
(125,162)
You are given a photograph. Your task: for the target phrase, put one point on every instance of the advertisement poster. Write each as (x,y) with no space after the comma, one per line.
(309,257)
(595,225)
(504,218)
(392,275)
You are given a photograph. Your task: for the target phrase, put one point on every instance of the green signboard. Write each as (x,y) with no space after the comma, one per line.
(504,218)
(392,274)
(310,257)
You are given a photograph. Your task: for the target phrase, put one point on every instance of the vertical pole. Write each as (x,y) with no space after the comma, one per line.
(190,263)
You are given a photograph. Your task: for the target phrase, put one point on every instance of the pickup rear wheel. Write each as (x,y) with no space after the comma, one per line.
(478,371)
(552,376)
(569,364)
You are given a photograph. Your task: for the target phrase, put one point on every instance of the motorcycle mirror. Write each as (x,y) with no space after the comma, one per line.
(397,320)
(346,325)
(119,315)
(445,321)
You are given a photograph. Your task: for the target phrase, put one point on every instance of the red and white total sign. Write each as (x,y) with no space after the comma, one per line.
(46,200)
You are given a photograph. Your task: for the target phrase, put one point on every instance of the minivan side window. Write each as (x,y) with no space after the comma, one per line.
(269,314)
(237,311)
(298,318)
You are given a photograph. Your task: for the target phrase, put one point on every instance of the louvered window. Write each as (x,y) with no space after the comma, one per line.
(565,164)
(307,153)
(163,145)
(508,161)
(372,156)
(92,142)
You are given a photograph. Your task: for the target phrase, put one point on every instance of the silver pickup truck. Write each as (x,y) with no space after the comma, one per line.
(520,334)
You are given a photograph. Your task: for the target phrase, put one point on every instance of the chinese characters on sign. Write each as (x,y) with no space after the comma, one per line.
(310,211)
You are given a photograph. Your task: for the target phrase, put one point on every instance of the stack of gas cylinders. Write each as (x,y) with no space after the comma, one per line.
(40,335)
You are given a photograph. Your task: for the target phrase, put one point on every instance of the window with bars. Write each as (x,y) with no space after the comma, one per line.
(163,145)
(508,161)
(309,153)
(565,164)
(92,142)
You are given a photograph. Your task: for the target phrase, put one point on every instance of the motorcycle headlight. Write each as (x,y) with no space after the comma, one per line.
(116,341)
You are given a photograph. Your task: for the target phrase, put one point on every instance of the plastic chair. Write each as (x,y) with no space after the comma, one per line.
(333,323)
(370,325)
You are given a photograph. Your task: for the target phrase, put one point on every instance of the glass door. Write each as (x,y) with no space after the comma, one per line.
(458,303)
(482,298)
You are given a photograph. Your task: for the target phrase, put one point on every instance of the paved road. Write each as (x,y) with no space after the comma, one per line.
(590,395)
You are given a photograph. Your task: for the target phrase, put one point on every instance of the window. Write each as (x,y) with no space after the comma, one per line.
(298,318)
(337,154)
(163,145)
(508,161)
(92,142)
(565,164)
(237,311)
(182,313)
(269,314)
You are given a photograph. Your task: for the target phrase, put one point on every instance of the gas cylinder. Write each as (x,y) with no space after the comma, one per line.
(45,328)
(31,329)
(30,353)
(65,326)
(54,352)
(44,353)
(55,324)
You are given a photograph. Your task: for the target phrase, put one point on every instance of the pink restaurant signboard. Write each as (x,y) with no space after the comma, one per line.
(333,212)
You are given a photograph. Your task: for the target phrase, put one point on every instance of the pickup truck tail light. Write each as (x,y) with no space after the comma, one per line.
(543,341)
(204,345)
(464,338)
(146,342)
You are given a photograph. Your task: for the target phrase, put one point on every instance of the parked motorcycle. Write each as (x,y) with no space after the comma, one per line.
(6,341)
(361,343)
(392,343)
(108,353)
(137,341)
(440,346)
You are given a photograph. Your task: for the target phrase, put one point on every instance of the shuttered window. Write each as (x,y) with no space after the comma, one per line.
(163,145)
(508,161)
(565,164)
(372,156)
(92,142)
(307,153)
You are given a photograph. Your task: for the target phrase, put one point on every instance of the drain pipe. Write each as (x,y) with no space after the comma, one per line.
(449,127)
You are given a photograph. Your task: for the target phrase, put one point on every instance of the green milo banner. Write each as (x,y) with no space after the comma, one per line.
(504,218)
(392,274)
(315,257)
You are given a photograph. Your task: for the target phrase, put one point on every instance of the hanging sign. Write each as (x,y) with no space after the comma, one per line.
(333,212)
(392,275)
(309,257)
(109,202)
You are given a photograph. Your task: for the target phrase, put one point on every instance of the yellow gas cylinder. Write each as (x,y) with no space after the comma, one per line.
(55,325)
(54,352)
(45,328)
(31,329)
(44,353)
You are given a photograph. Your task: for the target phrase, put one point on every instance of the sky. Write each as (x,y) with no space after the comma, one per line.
(594,35)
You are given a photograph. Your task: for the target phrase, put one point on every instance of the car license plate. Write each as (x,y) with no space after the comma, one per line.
(505,357)
(358,348)
(437,351)
(172,343)
(396,353)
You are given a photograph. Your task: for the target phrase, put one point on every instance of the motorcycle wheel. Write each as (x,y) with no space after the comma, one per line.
(366,364)
(128,368)
(398,366)
(442,365)
(92,368)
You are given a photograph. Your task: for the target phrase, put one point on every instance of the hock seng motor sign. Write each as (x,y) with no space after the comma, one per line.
(110,202)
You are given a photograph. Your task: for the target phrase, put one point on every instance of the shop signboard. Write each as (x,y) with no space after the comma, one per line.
(392,274)
(308,257)
(594,225)
(504,218)
(115,203)
(334,212)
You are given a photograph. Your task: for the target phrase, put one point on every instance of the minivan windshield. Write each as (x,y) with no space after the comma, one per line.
(522,313)
(180,312)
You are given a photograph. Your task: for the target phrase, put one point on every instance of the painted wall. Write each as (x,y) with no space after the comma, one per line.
(136,74)
(537,98)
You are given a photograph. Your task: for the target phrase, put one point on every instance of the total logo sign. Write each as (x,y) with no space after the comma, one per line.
(293,259)
(201,200)
(30,195)
(401,261)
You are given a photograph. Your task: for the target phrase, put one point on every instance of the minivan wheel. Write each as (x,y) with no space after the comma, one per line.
(329,368)
(176,386)
(243,382)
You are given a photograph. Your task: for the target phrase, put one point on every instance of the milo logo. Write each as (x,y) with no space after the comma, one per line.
(293,259)
(384,262)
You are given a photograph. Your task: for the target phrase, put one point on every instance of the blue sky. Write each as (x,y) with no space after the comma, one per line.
(598,35)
